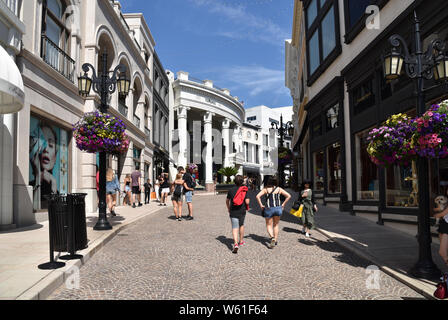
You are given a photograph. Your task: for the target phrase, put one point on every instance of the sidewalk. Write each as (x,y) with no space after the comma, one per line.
(393,251)
(22,250)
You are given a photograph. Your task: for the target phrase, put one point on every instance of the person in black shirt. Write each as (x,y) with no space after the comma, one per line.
(148,187)
(188,193)
(165,186)
(237,212)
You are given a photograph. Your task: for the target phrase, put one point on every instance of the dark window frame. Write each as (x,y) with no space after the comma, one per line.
(351,32)
(324,7)
(65,34)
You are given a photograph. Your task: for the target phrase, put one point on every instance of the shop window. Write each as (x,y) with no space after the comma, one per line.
(137,158)
(318,159)
(402,186)
(366,171)
(332,116)
(334,170)
(49,161)
(363,96)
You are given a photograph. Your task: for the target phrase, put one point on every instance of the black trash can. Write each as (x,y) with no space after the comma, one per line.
(58,221)
(79,220)
(67,220)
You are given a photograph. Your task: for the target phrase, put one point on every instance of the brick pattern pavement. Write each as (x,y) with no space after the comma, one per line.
(163,259)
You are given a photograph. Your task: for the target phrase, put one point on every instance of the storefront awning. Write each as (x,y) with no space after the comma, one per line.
(12,96)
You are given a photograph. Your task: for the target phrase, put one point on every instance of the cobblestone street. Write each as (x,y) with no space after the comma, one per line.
(161,258)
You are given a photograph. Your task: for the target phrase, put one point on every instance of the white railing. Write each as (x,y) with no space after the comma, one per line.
(13,5)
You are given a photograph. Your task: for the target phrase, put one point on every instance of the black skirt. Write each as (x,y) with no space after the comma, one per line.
(443,226)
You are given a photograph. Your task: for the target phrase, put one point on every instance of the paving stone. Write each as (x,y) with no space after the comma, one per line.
(163,259)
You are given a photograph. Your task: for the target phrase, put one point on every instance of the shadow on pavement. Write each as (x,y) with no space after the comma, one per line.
(261,239)
(91,221)
(30,228)
(226,241)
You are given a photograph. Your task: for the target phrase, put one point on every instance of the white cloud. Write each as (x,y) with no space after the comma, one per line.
(245,24)
(255,80)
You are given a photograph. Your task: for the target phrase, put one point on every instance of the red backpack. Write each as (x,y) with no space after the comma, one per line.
(240,195)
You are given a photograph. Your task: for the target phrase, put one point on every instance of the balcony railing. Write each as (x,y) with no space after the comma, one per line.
(136,121)
(123,109)
(57,58)
(13,5)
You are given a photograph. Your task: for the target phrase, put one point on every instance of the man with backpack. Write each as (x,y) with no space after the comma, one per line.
(237,204)
(188,193)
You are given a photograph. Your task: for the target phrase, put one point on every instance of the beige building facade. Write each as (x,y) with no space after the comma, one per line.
(62,35)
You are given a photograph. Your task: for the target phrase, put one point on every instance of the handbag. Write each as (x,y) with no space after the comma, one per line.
(297,213)
(442,291)
(153,195)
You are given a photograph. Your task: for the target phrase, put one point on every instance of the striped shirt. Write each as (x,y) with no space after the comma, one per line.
(273,199)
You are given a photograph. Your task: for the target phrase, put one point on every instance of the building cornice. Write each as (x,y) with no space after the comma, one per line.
(213,92)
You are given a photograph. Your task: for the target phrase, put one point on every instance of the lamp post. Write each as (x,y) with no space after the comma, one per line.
(283,131)
(419,66)
(103,85)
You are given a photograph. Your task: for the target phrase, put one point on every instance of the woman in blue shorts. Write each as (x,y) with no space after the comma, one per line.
(273,209)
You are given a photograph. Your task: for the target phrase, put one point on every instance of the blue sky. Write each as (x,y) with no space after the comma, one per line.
(238,44)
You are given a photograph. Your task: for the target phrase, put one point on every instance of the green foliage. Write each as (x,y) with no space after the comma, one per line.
(228,172)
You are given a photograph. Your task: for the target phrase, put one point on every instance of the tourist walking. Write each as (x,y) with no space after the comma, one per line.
(188,193)
(237,204)
(148,187)
(273,208)
(136,186)
(177,190)
(308,208)
(112,187)
(165,186)
(127,190)
(157,187)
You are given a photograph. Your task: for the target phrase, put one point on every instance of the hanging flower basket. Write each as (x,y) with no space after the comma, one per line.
(99,132)
(285,155)
(431,133)
(393,142)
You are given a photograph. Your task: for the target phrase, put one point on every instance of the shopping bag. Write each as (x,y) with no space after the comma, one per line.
(297,213)
(153,196)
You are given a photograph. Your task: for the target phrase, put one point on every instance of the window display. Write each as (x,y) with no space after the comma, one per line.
(319,171)
(334,168)
(366,171)
(48,161)
(402,186)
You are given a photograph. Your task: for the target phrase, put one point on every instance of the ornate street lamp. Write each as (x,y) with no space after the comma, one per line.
(103,85)
(419,65)
(283,131)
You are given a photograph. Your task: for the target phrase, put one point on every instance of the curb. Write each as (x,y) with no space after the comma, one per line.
(426,289)
(46,286)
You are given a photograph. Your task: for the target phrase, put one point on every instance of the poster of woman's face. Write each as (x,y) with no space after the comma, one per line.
(48,161)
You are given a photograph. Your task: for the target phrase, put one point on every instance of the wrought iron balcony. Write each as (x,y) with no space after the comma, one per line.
(57,58)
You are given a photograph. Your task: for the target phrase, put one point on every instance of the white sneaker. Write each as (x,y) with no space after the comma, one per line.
(307,235)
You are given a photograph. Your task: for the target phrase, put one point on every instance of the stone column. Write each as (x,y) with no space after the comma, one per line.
(6,171)
(208,155)
(183,136)
(226,142)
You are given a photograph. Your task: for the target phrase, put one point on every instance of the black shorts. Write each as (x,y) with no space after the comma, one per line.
(135,190)
(443,226)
